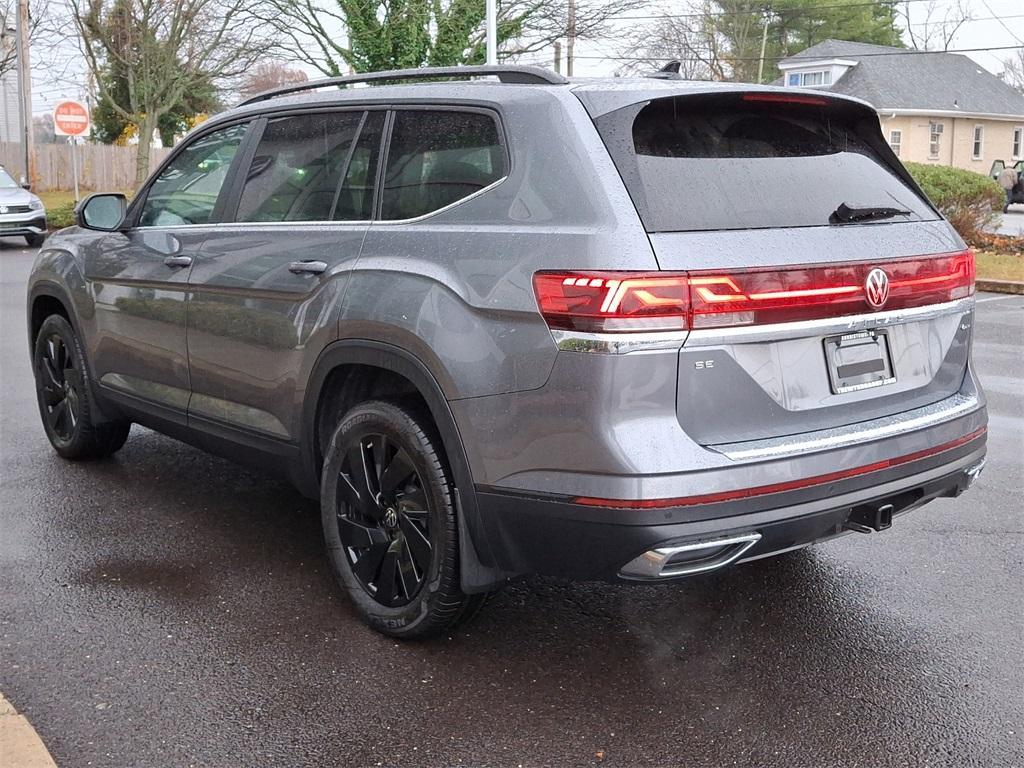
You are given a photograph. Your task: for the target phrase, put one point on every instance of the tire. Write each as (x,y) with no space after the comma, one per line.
(34,241)
(64,397)
(389,526)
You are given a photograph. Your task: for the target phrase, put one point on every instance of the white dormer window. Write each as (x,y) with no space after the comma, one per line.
(809,79)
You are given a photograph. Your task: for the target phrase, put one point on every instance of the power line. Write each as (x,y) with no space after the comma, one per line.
(1003,22)
(916,23)
(755,11)
(810,58)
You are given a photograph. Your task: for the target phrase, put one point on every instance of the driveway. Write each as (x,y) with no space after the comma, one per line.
(167,608)
(1012,222)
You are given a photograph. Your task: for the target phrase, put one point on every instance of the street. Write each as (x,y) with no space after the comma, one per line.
(1012,222)
(167,608)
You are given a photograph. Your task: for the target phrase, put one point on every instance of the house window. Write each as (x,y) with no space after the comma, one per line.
(935,140)
(809,79)
(979,140)
(1018,139)
(895,140)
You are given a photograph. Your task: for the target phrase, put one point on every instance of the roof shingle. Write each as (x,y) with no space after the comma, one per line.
(896,78)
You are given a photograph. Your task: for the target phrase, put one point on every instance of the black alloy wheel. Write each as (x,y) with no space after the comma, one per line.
(59,387)
(74,423)
(383,520)
(387,504)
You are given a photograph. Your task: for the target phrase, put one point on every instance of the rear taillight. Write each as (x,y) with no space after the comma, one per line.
(613,301)
(632,301)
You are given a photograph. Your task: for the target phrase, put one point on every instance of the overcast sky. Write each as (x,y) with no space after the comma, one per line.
(58,74)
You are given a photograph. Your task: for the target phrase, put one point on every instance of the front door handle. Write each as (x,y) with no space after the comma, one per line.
(178,261)
(307,267)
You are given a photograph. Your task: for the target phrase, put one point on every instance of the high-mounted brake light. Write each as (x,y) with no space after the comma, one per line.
(785,98)
(660,301)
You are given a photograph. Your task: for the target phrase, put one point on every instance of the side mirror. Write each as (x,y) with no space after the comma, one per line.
(102,212)
(26,186)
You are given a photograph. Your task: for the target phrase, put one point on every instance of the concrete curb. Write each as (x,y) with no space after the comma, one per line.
(20,745)
(999,286)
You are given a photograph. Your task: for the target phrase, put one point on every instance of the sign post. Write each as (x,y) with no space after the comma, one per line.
(71,119)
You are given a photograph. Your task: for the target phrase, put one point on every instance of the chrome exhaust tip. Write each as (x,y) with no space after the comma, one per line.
(689,558)
(973,472)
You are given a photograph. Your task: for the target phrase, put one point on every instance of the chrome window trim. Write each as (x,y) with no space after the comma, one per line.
(749,334)
(618,343)
(460,201)
(854,434)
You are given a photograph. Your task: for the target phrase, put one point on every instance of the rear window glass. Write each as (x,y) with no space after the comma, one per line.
(703,164)
(439,158)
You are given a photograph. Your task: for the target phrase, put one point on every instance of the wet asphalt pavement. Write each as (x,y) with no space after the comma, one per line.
(167,608)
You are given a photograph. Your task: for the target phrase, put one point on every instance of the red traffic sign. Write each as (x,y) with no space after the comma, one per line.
(70,119)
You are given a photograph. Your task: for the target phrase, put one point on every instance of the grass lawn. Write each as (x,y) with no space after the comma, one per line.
(57,199)
(1000,266)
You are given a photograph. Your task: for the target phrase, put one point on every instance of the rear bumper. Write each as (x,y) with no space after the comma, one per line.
(553,535)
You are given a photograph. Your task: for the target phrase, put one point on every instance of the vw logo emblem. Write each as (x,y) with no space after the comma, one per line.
(876,288)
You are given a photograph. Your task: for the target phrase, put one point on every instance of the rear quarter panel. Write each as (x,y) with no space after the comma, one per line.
(455,288)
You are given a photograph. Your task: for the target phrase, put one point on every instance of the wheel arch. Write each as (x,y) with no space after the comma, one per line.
(46,298)
(478,571)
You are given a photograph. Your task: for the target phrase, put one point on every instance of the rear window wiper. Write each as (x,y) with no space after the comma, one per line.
(846,214)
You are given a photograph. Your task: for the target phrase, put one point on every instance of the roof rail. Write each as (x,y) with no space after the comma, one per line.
(506,74)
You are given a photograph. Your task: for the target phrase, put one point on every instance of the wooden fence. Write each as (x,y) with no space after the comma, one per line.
(100,166)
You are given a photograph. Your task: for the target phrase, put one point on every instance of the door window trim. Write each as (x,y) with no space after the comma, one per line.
(231,210)
(139,201)
(226,209)
(427,107)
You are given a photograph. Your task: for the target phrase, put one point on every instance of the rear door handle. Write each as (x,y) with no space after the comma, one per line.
(178,261)
(307,267)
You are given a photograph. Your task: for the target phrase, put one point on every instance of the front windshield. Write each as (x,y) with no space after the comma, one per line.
(7,181)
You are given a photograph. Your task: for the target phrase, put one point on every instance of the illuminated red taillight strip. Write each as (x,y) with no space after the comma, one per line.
(789,485)
(657,301)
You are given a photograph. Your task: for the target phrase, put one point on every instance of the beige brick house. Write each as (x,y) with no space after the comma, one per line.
(940,108)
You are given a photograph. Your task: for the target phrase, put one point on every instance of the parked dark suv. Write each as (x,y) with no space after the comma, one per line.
(628,330)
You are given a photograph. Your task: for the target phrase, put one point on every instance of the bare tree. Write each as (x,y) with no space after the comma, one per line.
(937,30)
(161,50)
(8,47)
(691,40)
(335,36)
(1014,71)
(270,74)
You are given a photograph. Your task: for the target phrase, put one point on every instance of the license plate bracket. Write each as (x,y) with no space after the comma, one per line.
(857,361)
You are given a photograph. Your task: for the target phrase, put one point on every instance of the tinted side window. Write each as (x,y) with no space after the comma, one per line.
(438,158)
(355,198)
(186,191)
(295,173)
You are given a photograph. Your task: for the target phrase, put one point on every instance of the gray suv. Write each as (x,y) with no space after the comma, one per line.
(501,323)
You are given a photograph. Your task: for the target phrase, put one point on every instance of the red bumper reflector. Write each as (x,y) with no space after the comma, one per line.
(790,485)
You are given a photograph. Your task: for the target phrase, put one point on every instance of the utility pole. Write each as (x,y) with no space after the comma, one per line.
(24,88)
(570,34)
(558,56)
(764,43)
(492,31)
